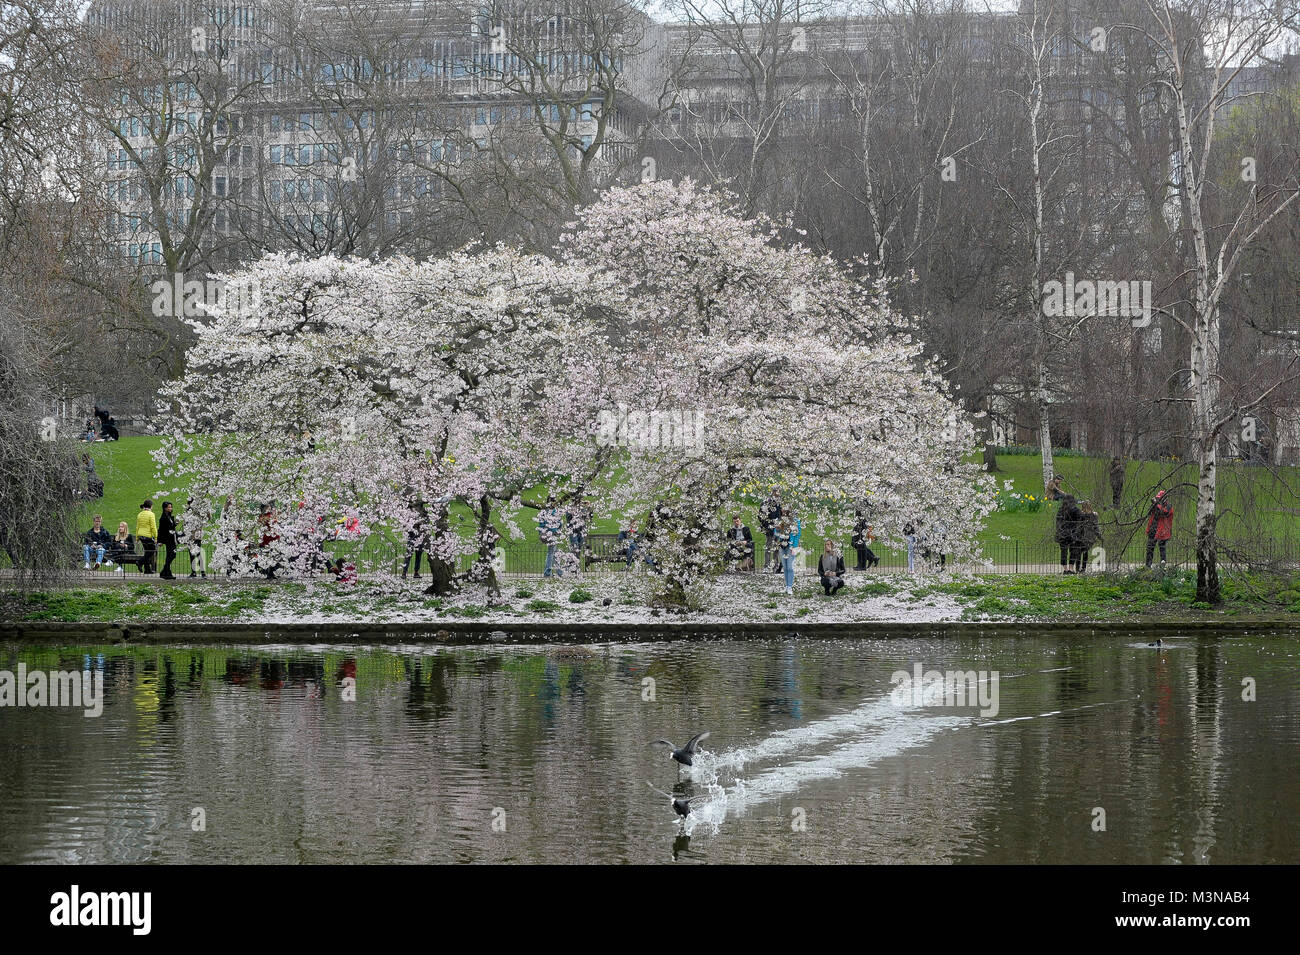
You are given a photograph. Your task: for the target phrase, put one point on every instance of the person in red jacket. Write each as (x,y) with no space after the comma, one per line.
(1160,525)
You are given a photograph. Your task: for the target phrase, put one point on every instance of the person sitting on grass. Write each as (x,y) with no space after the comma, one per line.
(97,540)
(831,569)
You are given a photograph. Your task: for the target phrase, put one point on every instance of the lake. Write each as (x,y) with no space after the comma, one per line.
(1050,748)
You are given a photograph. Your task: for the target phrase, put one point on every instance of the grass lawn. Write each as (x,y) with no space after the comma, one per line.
(1256,505)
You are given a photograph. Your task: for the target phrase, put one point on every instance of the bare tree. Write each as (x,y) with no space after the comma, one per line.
(1205,45)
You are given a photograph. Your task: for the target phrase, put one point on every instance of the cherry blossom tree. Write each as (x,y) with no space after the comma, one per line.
(791,368)
(439,401)
(392,390)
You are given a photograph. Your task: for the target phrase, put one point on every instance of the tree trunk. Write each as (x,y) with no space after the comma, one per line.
(1045,426)
(486,567)
(1207,567)
(441,571)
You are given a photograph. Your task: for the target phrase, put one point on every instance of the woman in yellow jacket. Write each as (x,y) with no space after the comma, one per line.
(146,529)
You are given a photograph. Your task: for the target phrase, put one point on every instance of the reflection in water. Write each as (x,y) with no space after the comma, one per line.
(540,754)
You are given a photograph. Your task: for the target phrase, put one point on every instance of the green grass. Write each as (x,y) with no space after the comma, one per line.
(1255,504)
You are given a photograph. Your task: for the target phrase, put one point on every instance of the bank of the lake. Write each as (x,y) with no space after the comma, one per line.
(604,604)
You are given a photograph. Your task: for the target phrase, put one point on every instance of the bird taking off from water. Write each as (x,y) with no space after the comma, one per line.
(681,804)
(684,754)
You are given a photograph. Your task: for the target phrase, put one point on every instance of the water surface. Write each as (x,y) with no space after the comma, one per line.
(539,754)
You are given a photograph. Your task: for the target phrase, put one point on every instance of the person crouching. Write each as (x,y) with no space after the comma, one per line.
(831,569)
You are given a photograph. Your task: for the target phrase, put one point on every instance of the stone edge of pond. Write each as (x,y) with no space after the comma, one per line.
(552,632)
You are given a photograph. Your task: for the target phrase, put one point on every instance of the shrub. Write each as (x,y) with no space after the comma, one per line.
(580,595)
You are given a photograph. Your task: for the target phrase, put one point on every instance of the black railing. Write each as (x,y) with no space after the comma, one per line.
(603,555)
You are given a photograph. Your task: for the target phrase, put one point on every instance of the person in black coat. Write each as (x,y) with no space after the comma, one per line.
(167,537)
(1067,531)
(862,538)
(740,544)
(830,567)
(1089,533)
(1116,480)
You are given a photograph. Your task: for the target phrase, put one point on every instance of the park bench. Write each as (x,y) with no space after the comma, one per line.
(135,558)
(601,549)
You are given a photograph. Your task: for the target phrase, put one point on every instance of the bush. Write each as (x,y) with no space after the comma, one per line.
(580,595)
(1013,502)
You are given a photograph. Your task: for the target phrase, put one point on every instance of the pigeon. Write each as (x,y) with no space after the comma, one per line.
(681,804)
(684,754)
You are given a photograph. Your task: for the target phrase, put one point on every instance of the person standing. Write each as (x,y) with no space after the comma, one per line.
(769,515)
(1054,491)
(578,518)
(146,531)
(417,539)
(1067,528)
(194,521)
(1160,526)
(1116,480)
(909,535)
(786,549)
(830,567)
(935,541)
(167,537)
(1089,534)
(550,528)
(862,538)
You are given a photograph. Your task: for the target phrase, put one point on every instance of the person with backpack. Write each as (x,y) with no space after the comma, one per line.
(1160,526)
(1067,528)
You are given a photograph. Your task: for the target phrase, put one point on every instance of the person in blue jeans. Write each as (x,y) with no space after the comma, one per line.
(96,542)
(578,517)
(788,533)
(550,530)
(909,533)
(629,542)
